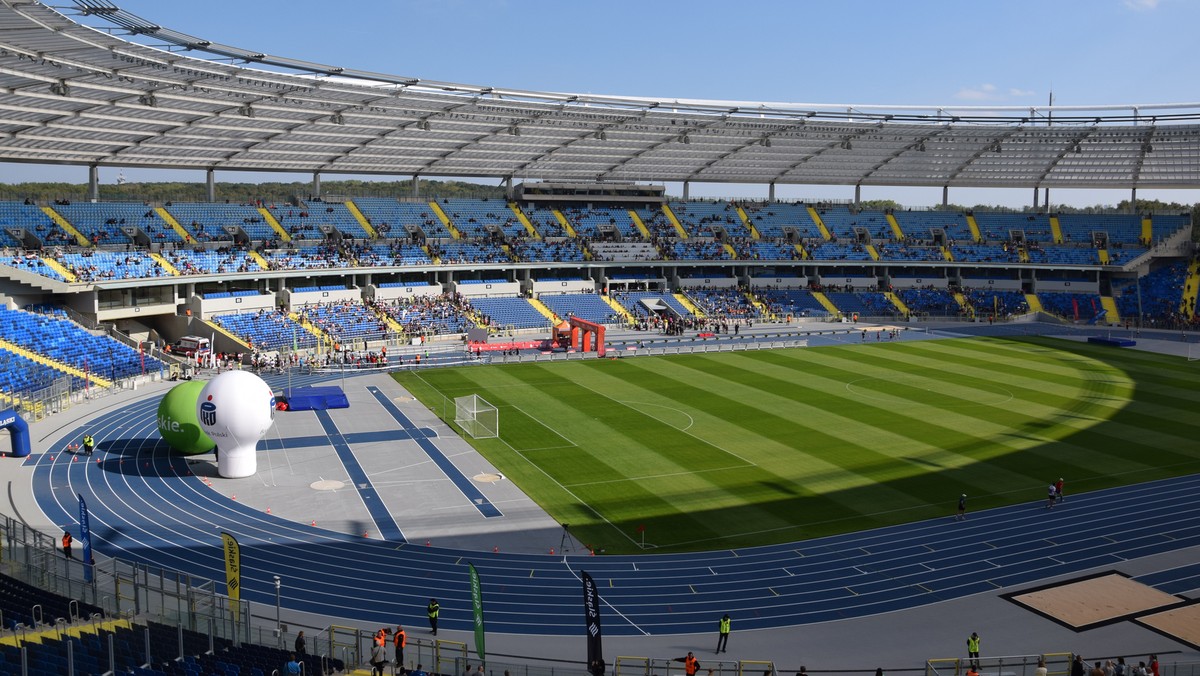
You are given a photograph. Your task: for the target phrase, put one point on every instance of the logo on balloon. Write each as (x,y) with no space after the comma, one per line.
(208,413)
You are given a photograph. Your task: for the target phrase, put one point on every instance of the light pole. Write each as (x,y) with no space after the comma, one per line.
(278,622)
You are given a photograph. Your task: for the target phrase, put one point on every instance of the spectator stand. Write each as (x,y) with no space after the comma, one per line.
(415,221)
(26,225)
(1156,297)
(483,218)
(222,222)
(718,219)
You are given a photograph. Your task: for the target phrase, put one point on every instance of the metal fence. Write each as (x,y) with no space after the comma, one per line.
(122,589)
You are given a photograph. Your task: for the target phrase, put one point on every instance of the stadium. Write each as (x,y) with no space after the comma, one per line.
(580,405)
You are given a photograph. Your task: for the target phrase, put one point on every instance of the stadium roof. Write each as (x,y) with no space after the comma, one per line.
(75,94)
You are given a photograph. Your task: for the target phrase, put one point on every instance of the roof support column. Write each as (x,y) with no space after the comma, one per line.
(1046,200)
(1035,198)
(945,195)
(416,181)
(770,192)
(686,189)
(857,195)
(1133,200)
(508,188)
(93,183)
(210,185)
(316,185)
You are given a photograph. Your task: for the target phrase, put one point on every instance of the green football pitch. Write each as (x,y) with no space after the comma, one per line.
(725,450)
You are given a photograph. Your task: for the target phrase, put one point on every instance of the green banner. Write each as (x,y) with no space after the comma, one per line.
(477,606)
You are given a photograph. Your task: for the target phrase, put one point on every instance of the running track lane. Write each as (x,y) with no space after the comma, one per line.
(146,507)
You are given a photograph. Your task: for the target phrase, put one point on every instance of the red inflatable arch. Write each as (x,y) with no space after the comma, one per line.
(583,343)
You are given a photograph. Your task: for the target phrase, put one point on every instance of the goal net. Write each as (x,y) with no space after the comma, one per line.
(477,417)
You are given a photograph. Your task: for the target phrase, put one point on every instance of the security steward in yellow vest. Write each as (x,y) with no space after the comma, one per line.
(723,633)
(89,444)
(432,610)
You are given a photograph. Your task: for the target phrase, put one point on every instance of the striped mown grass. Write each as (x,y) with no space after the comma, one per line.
(736,449)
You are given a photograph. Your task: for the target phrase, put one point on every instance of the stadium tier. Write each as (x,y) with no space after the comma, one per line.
(587,306)
(709,219)
(509,312)
(266,329)
(391,218)
(68,344)
(725,303)
(480,218)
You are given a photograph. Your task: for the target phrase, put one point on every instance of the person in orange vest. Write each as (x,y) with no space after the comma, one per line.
(66,542)
(399,639)
(381,637)
(690,664)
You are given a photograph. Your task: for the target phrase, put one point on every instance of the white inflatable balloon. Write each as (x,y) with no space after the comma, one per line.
(235,410)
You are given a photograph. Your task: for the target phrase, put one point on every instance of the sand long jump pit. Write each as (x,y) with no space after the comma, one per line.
(1180,624)
(1094,601)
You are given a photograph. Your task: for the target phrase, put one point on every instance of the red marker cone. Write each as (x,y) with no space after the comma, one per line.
(313,523)
(268,510)
(427,543)
(366,535)
(74,459)
(97,461)
(495,550)
(235,497)
(551,551)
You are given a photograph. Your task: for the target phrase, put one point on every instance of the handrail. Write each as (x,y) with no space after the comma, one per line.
(36,613)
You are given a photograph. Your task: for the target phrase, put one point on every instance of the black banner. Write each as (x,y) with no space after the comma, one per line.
(591,608)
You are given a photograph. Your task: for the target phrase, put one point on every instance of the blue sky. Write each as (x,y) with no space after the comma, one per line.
(915,52)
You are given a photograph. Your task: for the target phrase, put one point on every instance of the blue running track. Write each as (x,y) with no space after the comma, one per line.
(146,506)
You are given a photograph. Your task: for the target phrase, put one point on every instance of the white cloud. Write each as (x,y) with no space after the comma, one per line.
(1020,93)
(984,92)
(1140,5)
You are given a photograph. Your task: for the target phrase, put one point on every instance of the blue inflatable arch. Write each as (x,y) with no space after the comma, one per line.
(18,429)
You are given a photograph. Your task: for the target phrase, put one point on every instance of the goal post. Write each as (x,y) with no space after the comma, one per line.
(477,417)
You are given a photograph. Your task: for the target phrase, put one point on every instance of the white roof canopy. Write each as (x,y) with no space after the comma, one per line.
(74,94)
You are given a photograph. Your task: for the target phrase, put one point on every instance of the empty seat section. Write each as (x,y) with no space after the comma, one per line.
(1076,306)
(586,306)
(206,221)
(795,302)
(920,226)
(544,220)
(509,312)
(473,217)
(60,339)
(776,219)
(103,222)
(936,302)
(32,219)
(392,218)
(1120,228)
(594,222)
(704,219)
(998,226)
(848,302)
(844,224)
(266,330)
(317,214)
